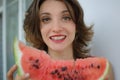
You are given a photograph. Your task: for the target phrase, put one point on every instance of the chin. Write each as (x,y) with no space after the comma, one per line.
(58,49)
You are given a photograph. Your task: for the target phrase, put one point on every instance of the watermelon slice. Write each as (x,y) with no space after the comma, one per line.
(41,67)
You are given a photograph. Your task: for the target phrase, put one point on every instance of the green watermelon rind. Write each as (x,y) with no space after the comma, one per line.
(106,71)
(17,56)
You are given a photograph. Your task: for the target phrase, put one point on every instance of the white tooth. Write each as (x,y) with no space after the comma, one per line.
(58,38)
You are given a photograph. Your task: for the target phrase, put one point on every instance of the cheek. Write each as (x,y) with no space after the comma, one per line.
(73,29)
(42,32)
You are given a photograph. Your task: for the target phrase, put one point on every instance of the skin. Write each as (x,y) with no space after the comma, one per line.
(11,72)
(56,23)
(58,32)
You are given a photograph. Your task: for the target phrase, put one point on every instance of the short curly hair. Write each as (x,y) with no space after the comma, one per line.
(83,34)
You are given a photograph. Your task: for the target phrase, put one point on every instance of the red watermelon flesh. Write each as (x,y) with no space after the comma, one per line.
(41,67)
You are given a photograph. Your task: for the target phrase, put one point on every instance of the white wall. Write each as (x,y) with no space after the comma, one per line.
(105,14)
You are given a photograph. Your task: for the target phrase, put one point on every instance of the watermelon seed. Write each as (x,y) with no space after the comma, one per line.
(58,73)
(75,72)
(64,68)
(98,66)
(37,60)
(70,78)
(54,72)
(35,63)
(36,66)
(60,76)
(92,65)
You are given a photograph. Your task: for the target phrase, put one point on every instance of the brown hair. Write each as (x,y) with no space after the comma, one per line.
(83,33)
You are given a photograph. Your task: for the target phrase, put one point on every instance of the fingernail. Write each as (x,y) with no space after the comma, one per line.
(27,75)
(14,65)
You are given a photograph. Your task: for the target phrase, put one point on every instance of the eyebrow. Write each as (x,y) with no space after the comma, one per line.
(64,11)
(46,13)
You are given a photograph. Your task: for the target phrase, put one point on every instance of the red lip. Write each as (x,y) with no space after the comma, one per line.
(57,38)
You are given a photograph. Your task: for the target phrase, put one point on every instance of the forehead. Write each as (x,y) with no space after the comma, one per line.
(52,6)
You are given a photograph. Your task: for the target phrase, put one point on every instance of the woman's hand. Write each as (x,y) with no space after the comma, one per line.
(11,72)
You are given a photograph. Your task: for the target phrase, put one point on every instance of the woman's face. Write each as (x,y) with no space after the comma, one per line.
(56,25)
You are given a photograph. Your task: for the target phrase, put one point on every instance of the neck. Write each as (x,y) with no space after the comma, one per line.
(61,55)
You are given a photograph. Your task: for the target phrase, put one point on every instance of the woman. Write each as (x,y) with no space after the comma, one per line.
(56,26)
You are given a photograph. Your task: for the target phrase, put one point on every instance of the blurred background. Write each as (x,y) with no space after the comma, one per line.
(104,14)
(11,19)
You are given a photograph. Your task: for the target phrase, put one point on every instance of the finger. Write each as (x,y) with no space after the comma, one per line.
(24,77)
(16,77)
(11,72)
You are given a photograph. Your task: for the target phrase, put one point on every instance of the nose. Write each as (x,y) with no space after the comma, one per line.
(56,26)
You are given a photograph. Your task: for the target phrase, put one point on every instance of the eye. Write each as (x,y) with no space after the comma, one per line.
(45,20)
(67,18)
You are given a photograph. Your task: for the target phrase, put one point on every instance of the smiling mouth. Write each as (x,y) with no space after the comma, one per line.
(58,37)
